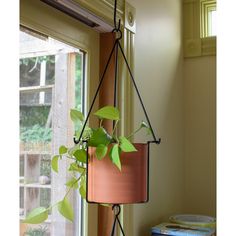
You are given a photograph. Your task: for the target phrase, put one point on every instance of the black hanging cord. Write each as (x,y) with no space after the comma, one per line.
(116,209)
(115,48)
(76,141)
(139,96)
(116,69)
(116,28)
(115,82)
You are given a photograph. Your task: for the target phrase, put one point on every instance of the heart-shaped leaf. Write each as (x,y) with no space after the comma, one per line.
(80,155)
(99,136)
(101,151)
(65,209)
(62,150)
(74,149)
(37,216)
(82,188)
(75,167)
(115,156)
(54,163)
(72,183)
(108,112)
(126,145)
(76,116)
(86,133)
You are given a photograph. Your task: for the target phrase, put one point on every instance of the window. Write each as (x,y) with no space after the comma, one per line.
(199,27)
(48,70)
(208,18)
(48,21)
(212,27)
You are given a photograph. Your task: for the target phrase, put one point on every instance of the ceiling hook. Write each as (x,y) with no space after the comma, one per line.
(115,23)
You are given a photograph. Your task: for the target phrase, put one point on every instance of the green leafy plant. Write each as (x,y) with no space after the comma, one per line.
(104,144)
(36,133)
(41,231)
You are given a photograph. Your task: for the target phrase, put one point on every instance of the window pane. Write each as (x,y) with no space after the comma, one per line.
(78,87)
(212,23)
(39,58)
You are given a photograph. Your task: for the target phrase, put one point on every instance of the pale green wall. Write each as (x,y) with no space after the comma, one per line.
(158,71)
(180,98)
(200,135)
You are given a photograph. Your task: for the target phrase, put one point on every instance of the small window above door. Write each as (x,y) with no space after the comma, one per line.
(208,18)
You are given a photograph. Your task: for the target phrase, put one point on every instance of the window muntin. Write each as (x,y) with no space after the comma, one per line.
(38,58)
(208,16)
(212,22)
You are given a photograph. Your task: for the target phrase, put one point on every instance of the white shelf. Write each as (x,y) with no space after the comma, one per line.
(36,88)
(36,153)
(35,185)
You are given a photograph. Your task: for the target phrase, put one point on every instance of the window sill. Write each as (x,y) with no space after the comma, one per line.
(200,47)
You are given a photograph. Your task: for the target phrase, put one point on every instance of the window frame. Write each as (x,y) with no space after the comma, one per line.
(205,7)
(194,44)
(104,10)
(71,61)
(42,18)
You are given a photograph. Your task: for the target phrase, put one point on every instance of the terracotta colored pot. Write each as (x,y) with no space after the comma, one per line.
(106,184)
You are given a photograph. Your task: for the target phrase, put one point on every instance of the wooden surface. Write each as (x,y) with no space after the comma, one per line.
(60,136)
(106,97)
(106,93)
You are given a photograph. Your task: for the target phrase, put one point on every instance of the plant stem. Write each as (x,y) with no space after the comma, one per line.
(113,131)
(73,184)
(132,134)
(100,125)
(50,207)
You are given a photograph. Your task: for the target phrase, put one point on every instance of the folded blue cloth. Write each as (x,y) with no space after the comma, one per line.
(172,229)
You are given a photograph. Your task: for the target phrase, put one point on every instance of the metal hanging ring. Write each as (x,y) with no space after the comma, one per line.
(76,141)
(120,36)
(119,32)
(116,209)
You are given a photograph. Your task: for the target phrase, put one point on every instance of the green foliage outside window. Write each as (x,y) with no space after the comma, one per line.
(32,115)
(45,198)
(35,134)
(78,78)
(41,231)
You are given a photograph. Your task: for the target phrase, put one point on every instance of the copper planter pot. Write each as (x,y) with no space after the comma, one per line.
(106,184)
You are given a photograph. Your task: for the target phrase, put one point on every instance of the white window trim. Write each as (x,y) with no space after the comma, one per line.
(205,7)
(42,18)
(194,44)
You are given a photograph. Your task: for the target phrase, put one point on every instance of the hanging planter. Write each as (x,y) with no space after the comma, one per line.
(107,184)
(117,170)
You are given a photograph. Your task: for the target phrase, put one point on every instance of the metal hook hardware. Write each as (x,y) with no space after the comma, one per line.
(116,28)
(116,209)
(117,47)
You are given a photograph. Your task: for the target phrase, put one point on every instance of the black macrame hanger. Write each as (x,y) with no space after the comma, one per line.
(115,49)
(116,209)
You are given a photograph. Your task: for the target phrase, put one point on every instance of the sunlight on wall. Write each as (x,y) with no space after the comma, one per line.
(158,71)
